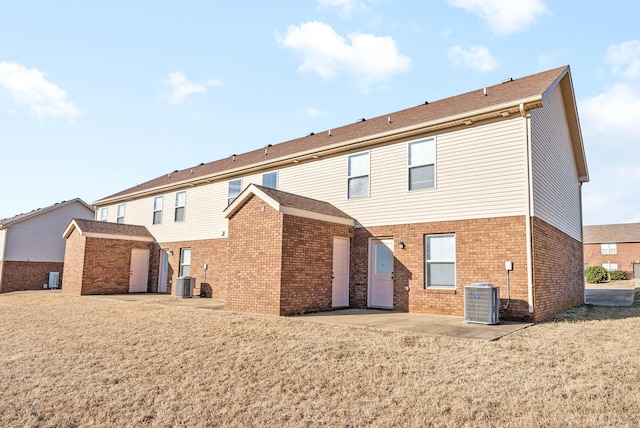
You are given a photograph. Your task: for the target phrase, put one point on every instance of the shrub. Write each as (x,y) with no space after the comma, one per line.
(595,274)
(618,275)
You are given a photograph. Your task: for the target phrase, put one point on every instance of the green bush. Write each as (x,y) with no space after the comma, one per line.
(618,275)
(595,274)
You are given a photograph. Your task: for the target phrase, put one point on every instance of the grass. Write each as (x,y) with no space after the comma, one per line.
(68,361)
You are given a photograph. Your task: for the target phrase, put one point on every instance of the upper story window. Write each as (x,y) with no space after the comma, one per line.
(120,216)
(104,211)
(180,203)
(440,260)
(358,175)
(608,248)
(157,210)
(270,180)
(234,190)
(422,160)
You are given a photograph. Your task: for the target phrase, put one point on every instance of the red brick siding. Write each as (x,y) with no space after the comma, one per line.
(74,264)
(628,253)
(482,247)
(307,264)
(18,276)
(255,259)
(558,270)
(213,252)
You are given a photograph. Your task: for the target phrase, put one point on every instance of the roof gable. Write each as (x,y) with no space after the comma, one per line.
(103,229)
(514,96)
(290,204)
(611,233)
(40,211)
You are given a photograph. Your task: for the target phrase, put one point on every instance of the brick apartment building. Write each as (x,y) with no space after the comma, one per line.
(614,247)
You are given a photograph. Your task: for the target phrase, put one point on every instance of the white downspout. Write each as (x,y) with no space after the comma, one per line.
(527,130)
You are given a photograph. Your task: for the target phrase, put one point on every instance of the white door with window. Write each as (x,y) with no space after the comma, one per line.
(139,272)
(381,273)
(163,275)
(340,275)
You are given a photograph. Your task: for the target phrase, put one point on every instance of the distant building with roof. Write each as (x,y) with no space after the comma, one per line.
(32,247)
(614,247)
(399,211)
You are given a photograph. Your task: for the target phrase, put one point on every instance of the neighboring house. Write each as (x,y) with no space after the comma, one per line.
(614,247)
(32,247)
(400,211)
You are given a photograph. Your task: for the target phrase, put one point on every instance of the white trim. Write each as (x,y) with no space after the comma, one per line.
(114,236)
(529,202)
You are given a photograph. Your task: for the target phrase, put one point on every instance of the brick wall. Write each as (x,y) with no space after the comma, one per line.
(627,253)
(482,247)
(307,264)
(213,252)
(98,265)
(18,276)
(558,270)
(255,259)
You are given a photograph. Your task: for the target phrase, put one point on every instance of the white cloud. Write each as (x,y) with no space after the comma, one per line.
(368,58)
(504,16)
(613,112)
(346,8)
(29,88)
(477,57)
(625,58)
(181,87)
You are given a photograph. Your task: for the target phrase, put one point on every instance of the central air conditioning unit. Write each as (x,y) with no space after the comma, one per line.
(481,303)
(184,286)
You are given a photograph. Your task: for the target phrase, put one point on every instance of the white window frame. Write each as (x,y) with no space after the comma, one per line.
(180,206)
(610,266)
(183,264)
(104,213)
(232,194)
(157,210)
(429,262)
(120,213)
(412,164)
(270,174)
(608,248)
(358,175)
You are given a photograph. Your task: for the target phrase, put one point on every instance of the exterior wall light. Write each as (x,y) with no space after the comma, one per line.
(401,245)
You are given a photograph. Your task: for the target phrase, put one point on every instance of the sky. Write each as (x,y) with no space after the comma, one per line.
(96,97)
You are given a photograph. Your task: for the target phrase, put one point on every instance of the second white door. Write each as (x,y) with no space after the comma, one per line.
(139,271)
(381,273)
(340,278)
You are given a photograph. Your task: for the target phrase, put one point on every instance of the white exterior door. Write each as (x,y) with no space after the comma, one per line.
(381,273)
(139,272)
(163,275)
(340,281)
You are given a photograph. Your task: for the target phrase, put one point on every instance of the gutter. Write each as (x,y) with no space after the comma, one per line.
(464,119)
(529,239)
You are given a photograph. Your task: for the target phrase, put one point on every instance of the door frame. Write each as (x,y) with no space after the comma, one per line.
(344,299)
(370,267)
(163,276)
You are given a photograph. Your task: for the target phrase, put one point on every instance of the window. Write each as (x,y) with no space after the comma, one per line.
(185,262)
(120,217)
(610,266)
(440,260)
(157,210)
(234,190)
(103,213)
(422,164)
(358,172)
(608,248)
(270,180)
(180,201)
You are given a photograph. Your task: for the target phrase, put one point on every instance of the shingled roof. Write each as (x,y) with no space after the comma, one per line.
(289,203)
(611,233)
(5,222)
(94,228)
(503,99)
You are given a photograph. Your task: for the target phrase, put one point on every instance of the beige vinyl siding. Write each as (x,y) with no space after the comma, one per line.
(39,239)
(556,189)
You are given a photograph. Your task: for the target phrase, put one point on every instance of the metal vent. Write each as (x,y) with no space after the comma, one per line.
(184,286)
(481,303)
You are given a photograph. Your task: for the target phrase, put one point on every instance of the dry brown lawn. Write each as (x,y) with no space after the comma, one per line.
(70,361)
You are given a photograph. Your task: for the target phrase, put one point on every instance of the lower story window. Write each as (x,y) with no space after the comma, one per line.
(440,263)
(610,266)
(185,262)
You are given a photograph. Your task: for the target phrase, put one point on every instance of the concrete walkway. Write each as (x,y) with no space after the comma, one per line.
(442,325)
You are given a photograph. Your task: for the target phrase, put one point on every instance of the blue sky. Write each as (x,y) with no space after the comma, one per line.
(97,97)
